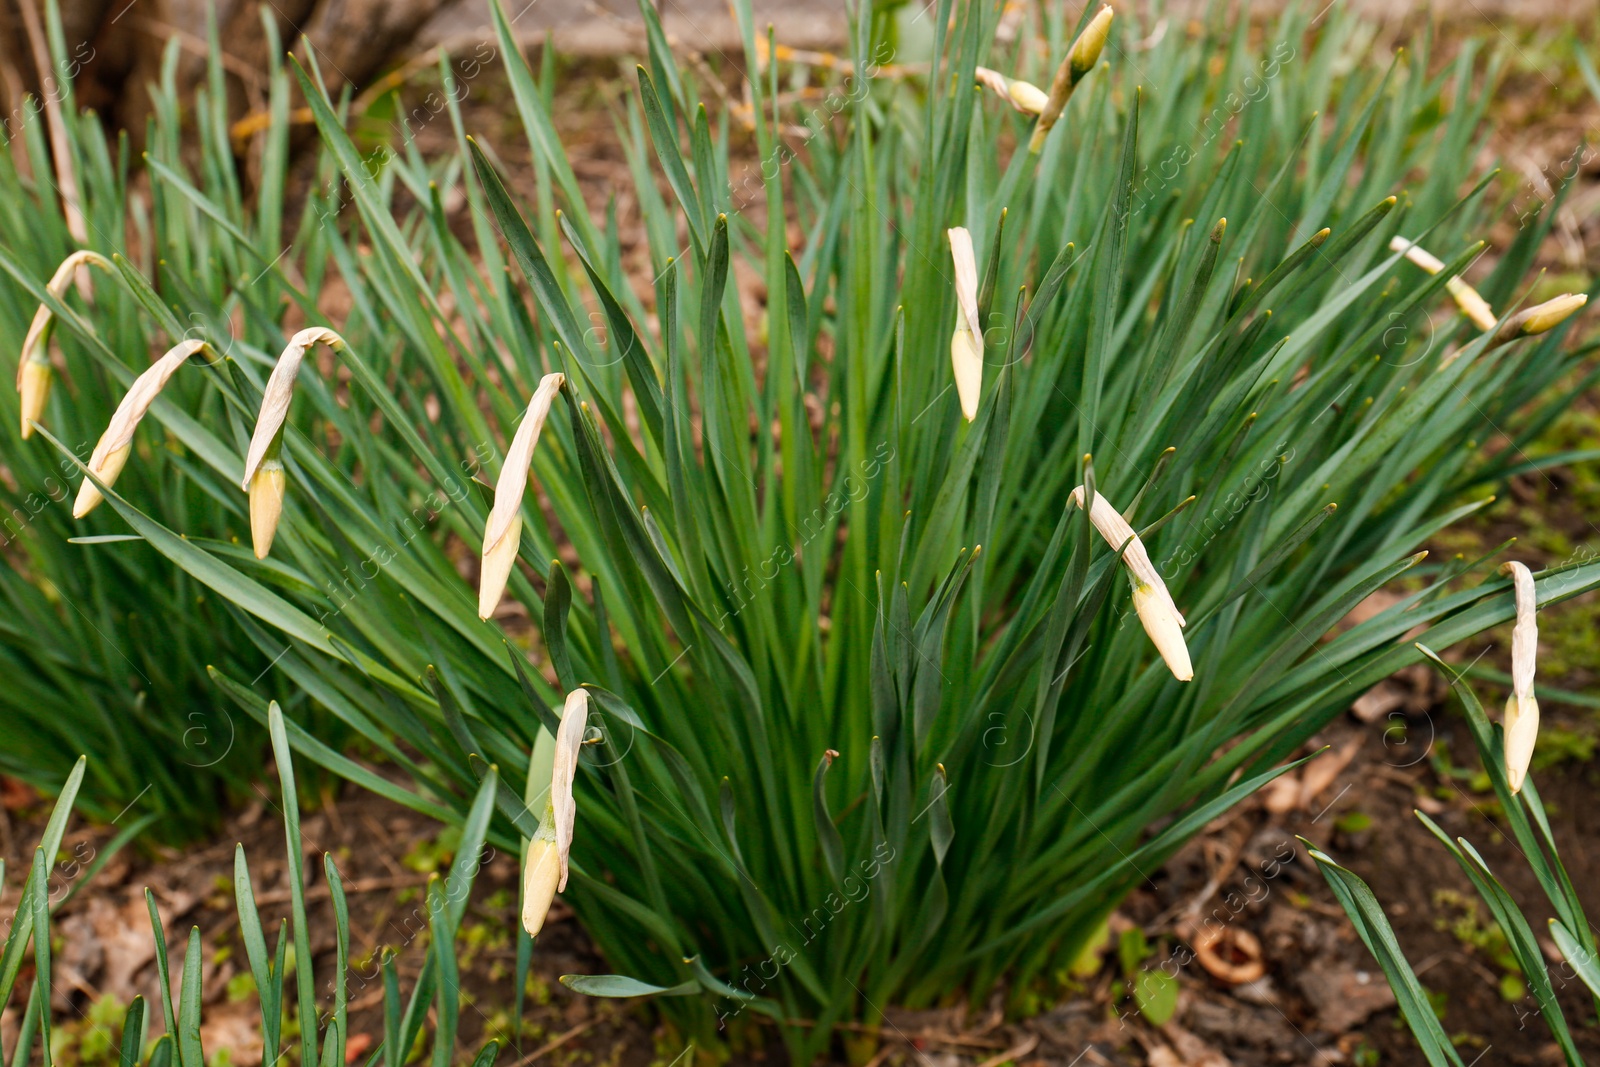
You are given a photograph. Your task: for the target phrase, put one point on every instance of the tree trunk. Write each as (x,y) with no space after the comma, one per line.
(113,48)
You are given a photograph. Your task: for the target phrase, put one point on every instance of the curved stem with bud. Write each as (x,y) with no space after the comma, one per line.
(1526,323)
(544,872)
(1162,620)
(1522,710)
(33,365)
(1080,60)
(111,452)
(502,533)
(966,343)
(264,478)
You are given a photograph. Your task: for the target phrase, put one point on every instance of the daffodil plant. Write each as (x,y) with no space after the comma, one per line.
(938,505)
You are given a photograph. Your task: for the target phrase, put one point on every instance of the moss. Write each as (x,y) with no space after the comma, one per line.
(92,1039)
(1472,931)
(428,855)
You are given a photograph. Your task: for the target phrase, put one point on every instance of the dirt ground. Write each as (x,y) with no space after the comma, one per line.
(1317,999)
(607,27)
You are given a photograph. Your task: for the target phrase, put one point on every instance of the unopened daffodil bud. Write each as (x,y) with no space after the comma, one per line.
(1473,305)
(1522,710)
(111,453)
(265,486)
(1163,622)
(966,343)
(544,872)
(33,382)
(541,873)
(564,772)
(495,570)
(1027,97)
(1085,51)
(1164,626)
(266,503)
(1541,317)
(34,373)
(502,534)
(1080,60)
(1521,734)
(1023,96)
(105,467)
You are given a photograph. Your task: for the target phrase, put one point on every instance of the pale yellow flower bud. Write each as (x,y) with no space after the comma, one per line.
(1085,52)
(1023,96)
(1080,60)
(966,360)
(544,872)
(1521,733)
(495,570)
(1163,622)
(502,534)
(564,772)
(35,388)
(1522,710)
(279,391)
(107,470)
(1550,314)
(966,343)
(33,366)
(1539,318)
(266,504)
(111,452)
(541,872)
(266,493)
(1027,97)
(1164,628)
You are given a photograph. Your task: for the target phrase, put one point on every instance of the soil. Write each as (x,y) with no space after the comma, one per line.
(1319,998)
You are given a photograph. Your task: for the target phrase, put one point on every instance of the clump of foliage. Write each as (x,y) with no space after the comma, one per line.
(875,720)
(103,645)
(299,1022)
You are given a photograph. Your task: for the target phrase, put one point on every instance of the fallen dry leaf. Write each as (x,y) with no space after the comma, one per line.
(235,1026)
(125,938)
(1378,701)
(1281,794)
(1343,995)
(357,1046)
(1320,773)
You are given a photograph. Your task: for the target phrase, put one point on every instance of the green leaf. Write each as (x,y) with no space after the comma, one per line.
(827,833)
(290,800)
(132,1039)
(190,1053)
(665,139)
(620,986)
(1581,960)
(1156,994)
(1376,933)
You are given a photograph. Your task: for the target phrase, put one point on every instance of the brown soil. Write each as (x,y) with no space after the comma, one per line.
(1321,998)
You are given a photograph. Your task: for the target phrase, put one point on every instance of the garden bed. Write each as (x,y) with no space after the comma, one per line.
(1321,995)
